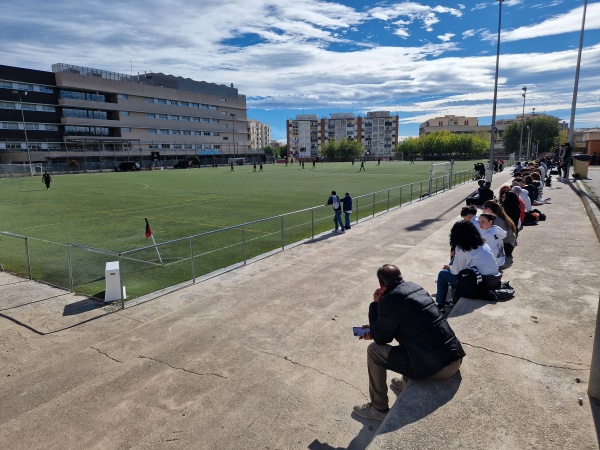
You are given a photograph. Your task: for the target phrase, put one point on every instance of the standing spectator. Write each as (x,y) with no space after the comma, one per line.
(428,348)
(46,179)
(334,201)
(567,157)
(347,208)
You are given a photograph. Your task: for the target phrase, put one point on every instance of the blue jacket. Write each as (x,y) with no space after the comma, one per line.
(346,203)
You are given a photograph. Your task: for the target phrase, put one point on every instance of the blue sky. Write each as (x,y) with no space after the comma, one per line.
(416,59)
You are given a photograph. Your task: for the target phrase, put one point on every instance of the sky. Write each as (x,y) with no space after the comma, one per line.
(418,60)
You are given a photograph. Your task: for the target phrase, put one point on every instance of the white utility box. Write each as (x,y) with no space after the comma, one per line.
(112,275)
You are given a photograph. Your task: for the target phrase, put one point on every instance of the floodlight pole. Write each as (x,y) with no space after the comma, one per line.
(490,170)
(24,129)
(576,84)
(524,94)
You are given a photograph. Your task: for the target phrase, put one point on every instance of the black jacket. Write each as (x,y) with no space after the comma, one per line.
(427,343)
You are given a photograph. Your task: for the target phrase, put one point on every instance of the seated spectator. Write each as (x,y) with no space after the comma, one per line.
(469,213)
(504,221)
(514,207)
(481,195)
(493,236)
(523,196)
(537,182)
(470,251)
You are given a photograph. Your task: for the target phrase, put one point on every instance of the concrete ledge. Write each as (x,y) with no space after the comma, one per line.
(590,206)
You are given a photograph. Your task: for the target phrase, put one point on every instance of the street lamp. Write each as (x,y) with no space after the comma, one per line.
(522,121)
(233,133)
(530,147)
(490,170)
(24,128)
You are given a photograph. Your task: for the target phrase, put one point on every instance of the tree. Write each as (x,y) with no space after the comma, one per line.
(543,130)
(271,151)
(345,149)
(443,145)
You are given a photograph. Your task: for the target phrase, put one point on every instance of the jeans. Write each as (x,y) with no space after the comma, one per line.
(566,170)
(337,220)
(445,278)
(347,218)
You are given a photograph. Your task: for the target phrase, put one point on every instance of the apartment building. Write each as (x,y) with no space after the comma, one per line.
(90,115)
(378,132)
(454,124)
(259,134)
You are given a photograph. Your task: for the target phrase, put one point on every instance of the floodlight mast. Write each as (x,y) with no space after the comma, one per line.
(490,170)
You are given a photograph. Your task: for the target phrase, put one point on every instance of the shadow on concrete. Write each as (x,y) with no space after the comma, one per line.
(426,222)
(418,400)
(321,238)
(595,407)
(468,305)
(85,305)
(32,302)
(360,442)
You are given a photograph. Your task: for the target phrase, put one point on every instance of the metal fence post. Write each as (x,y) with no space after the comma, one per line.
(373,204)
(69,261)
(388,200)
(312,223)
(411,192)
(28,259)
(282,238)
(193,266)
(244,242)
(121,283)
(400,204)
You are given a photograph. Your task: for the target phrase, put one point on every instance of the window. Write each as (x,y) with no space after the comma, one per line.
(223,99)
(148,99)
(123,113)
(161,101)
(163,116)
(225,125)
(126,130)
(152,131)
(10,125)
(8,105)
(206,133)
(150,116)
(122,96)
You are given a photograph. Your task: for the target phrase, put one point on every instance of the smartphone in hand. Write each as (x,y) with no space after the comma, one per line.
(360,331)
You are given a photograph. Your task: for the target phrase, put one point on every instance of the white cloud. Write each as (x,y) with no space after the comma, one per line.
(564,23)
(446,37)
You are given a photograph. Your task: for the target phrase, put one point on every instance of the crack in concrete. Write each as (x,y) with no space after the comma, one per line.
(246,429)
(285,358)
(586,367)
(181,368)
(105,354)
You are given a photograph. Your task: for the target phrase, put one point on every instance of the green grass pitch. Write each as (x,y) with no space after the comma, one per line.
(107,211)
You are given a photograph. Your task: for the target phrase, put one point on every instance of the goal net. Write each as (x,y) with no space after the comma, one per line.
(20,170)
(440,176)
(236,161)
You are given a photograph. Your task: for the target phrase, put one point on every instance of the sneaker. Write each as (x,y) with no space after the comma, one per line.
(348,227)
(368,411)
(398,383)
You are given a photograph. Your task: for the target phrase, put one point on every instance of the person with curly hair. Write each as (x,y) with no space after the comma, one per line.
(470,250)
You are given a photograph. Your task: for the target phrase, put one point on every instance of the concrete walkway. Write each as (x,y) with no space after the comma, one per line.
(263,356)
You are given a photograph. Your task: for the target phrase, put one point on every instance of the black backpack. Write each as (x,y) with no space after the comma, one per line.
(469,284)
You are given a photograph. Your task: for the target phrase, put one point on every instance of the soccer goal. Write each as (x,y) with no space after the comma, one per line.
(440,176)
(236,161)
(20,170)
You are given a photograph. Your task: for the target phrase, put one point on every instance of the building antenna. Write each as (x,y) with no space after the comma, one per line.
(131,66)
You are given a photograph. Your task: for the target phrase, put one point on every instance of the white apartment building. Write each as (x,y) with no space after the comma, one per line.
(259,134)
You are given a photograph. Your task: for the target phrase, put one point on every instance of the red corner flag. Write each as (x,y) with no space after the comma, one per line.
(148,230)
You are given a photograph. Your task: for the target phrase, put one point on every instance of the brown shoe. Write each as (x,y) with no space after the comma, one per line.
(368,411)
(398,383)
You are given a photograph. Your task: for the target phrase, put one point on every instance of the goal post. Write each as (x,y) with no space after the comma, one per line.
(441,171)
(20,170)
(236,161)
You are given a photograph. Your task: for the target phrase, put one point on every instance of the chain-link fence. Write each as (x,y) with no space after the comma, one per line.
(149,269)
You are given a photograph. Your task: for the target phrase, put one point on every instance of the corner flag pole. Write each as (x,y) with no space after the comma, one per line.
(150,234)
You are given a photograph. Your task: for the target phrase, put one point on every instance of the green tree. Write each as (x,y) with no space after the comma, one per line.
(543,130)
(348,149)
(329,150)
(443,145)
